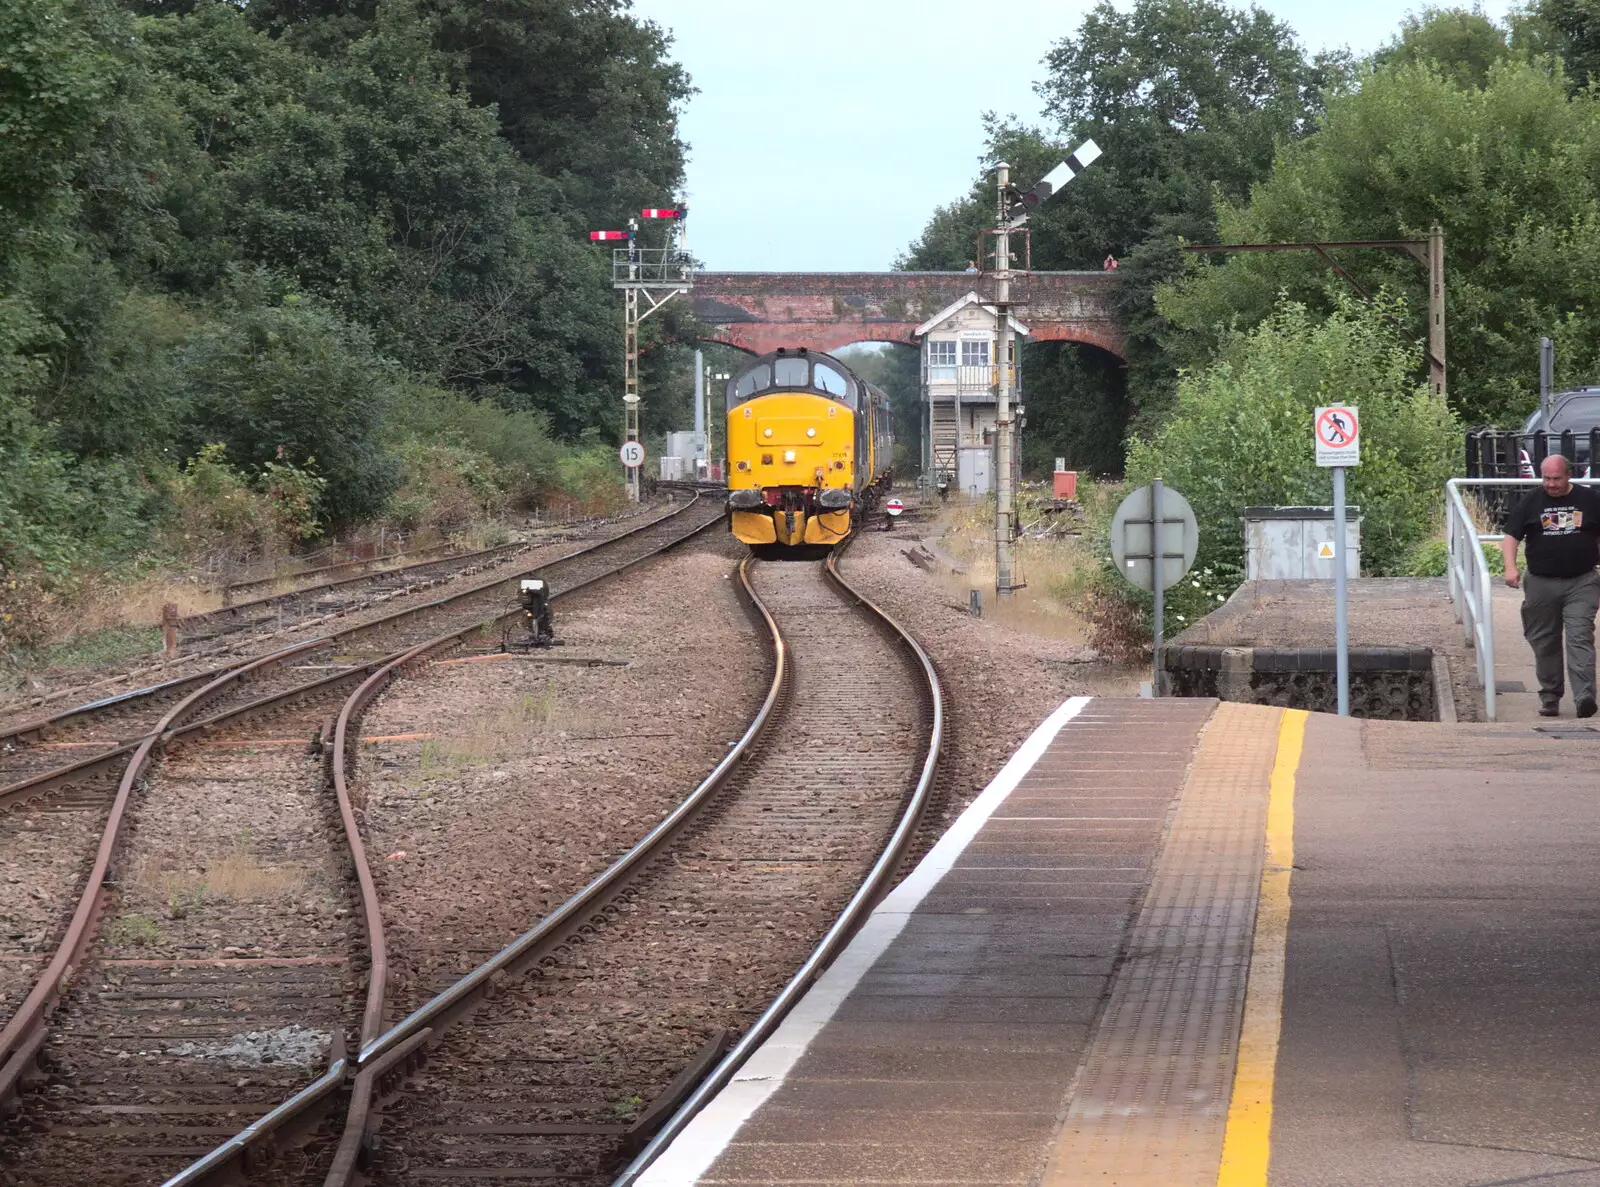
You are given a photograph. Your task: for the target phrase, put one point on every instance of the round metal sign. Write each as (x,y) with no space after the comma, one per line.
(894,507)
(1133,535)
(632,454)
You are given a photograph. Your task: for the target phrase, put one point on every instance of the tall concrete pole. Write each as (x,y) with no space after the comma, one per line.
(1436,356)
(630,382)
(1002,405)
(1547,377)
(700,451)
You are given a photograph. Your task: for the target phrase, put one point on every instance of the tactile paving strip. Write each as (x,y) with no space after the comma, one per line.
(1152,1100)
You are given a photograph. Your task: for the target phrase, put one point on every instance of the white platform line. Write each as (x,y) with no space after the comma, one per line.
(709,1134)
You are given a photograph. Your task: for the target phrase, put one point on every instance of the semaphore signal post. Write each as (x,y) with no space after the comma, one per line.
(660,274)
(1014,208)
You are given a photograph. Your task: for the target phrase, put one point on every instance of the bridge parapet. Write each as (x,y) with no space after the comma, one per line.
(761,311)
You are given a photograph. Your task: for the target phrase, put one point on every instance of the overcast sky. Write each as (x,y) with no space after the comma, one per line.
(883,100)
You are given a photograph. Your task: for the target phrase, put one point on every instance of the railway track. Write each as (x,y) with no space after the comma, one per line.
(229,954)
(612,1019)
(257,612)
(234,588)
(88,742)
(340,595)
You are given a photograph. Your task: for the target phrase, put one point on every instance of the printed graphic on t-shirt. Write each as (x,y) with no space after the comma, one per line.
(1560,521)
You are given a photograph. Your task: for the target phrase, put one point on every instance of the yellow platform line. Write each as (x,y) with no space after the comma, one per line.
(1247,1140)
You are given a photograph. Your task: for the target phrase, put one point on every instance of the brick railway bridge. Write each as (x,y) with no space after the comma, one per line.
(761,311)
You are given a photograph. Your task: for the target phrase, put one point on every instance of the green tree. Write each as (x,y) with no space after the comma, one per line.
(1462,44)
(898,371)
(371,179)
(1240,433)
(293,382)
(1188,100)
(55,72)
(1567,28)
(1512,173)
(604,125)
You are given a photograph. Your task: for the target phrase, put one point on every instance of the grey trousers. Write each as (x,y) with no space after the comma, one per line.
(1552,606)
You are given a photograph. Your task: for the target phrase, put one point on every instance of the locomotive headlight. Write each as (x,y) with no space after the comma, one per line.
(811,432)
(788,455)
(766,432)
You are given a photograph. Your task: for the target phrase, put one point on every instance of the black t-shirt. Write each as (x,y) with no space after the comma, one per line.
(1560,531)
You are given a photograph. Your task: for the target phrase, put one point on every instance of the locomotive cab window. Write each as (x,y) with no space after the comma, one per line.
(827,379)
(790,373)
(749,384)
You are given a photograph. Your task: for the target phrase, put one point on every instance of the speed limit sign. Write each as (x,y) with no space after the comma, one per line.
(632,454)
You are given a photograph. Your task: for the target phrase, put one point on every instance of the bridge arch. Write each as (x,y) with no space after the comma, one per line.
(761,311)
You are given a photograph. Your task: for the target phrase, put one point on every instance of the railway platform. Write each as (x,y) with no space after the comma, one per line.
(1187,942)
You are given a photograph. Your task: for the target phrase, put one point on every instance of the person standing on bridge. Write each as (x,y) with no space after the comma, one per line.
(1560,525)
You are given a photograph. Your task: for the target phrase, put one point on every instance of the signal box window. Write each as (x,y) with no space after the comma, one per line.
(941,360)
(789,373)
(753,381)
(829,380)
(975,354)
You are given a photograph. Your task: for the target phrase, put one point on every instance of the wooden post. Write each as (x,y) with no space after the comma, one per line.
(1436,356)
(169,629)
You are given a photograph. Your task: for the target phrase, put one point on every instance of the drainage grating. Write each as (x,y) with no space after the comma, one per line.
(1574,733)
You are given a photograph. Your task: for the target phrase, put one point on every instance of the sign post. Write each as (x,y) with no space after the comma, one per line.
(1154,538)
(1158,551)
(1337,428)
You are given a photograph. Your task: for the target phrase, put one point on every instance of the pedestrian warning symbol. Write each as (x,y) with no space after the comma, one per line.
(1338,434)
(1325,550)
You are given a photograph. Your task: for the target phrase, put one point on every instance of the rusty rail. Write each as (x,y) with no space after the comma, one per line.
(34,785)
(23,1034)
(387,1059)
(24,1031)
(352,562)
(380,1054)
(35,728)
(224,612)
(458,1000)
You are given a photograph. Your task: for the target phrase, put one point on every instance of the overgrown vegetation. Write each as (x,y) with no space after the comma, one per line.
(270,268)
(1217,126)
(1240,433)
(1239,436)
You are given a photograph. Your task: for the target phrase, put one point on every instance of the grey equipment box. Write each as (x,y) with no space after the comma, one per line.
(1290,543)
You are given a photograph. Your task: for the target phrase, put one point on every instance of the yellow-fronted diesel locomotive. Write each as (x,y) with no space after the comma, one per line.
(810,449)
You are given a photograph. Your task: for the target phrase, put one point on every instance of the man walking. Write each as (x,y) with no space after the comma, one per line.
(1560,524)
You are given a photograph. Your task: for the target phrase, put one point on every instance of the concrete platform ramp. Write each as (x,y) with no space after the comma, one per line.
(1181,942)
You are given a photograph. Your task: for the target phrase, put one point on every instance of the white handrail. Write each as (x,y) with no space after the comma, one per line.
(1470,588)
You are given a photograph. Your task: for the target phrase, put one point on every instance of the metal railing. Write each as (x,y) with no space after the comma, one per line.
(1469,581)
(651,265)
(1511,453)
(1471,589)
(970,379)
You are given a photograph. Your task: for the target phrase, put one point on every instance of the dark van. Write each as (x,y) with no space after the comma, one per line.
(1577,412)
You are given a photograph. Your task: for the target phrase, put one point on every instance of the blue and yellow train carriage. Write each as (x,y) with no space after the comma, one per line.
(810,449)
